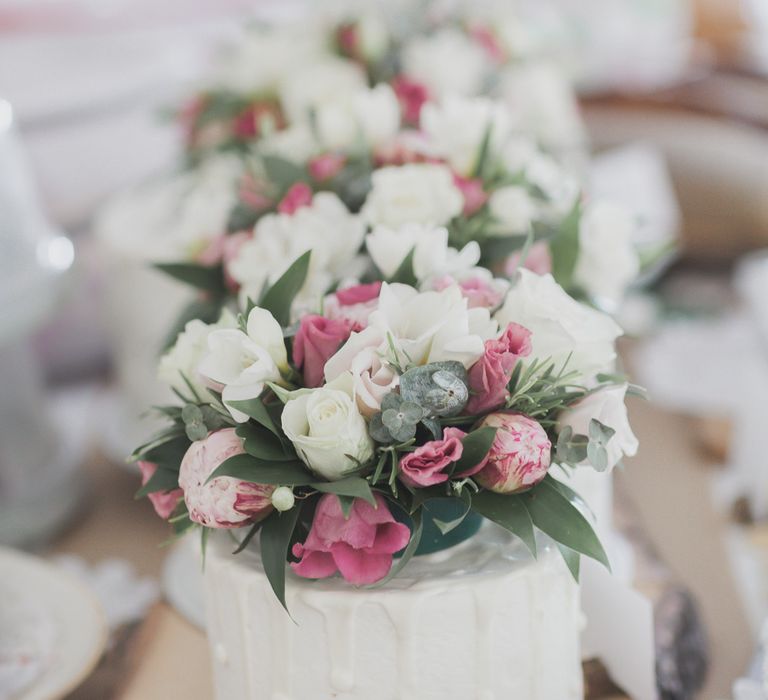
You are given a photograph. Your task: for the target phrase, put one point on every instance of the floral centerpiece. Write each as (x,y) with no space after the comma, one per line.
(387,422)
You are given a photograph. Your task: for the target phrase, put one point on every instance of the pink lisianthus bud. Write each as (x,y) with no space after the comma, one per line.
(427,464)
(519,456)
(164,502)
(326,166)
(538,260)
(360,547)
(489,376)
(224,502)
(412,96)
(354,304)
(472,190)
(317,339)
(299,195)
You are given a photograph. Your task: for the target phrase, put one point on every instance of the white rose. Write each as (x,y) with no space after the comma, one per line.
(421,193)
(456,128)
(514,210)
(369,118)
(244,362)
(319,83)
(182,360)
(607,406)
(432,255)
(560,326)
(447,62)
(327,430)
(608,261)
(326,227)
(416,328)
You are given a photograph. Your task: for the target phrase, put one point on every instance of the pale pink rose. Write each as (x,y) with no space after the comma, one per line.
(359,547)
(372,380)
(489,376)
(225,501)
(479,292)
(412,96)
(426,465)
(164,502)
(317,339)
(520,454)
(299,195)
(538,260)
(472,190)
(354,304)
(326,166)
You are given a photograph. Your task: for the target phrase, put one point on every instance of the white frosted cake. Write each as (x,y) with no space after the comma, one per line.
(479,621)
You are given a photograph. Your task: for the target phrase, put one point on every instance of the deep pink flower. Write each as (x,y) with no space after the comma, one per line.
(426,465)
(412,95)
(348,39)
(317,339)
(520,454)
(489,376)
(360,547)
(248,124)
(326,166)
(164,502)
(354,304)
(472,190)
(359,293)
(299,195)
(224,502)
(538,260)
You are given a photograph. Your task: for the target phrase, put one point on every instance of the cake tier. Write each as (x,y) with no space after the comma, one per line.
(481,621)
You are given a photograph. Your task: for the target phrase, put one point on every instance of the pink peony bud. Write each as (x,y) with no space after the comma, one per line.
(225,501)
(472,190)
(164,502)
(299,195)
(538,260)
(489,376)
(360,547)
(326,166)
(520,454)
(317,339)
(426,465)
(412,96)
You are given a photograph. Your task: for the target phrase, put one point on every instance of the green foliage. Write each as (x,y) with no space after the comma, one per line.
(404,273)
(276,533)
(282,172)
(564,247)
(161,480)
(278,298)
(571,448)
(476,446)
(261,443)
(248,468)
(439,388)
(351,486)
(208,278)
(510,512)
(599,436)
(540,391)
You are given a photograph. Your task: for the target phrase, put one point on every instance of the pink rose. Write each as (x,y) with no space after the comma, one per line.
(538,260)
(520,454)
(426,465)
(224,502)
(326,166)
(360,547)
(317,339)
(354,304)
(489,376)
(480,292)
(472,190)
(412,96)
(299,195)
(164,502)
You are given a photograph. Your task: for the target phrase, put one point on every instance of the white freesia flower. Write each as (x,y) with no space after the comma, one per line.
(182,360)
(607,406)
(608,261)
(369,117)
(416,328)
(419,193)
(457,126)
(244,362)
(296,143)
(447,62)
(319,83)
(514,210)
(432,255)
(326,227)
(327,429)
(560,326)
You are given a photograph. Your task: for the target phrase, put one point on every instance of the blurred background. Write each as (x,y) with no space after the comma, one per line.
(674,98)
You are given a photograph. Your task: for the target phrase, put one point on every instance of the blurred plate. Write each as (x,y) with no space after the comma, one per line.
(54,615)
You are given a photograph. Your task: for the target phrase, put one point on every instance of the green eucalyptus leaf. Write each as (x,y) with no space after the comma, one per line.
(276,533)
(597,456)
(256,471)
(510,512)
(440,388)
(278,298)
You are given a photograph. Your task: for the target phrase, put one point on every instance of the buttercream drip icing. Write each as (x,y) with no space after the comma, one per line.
(480,621)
